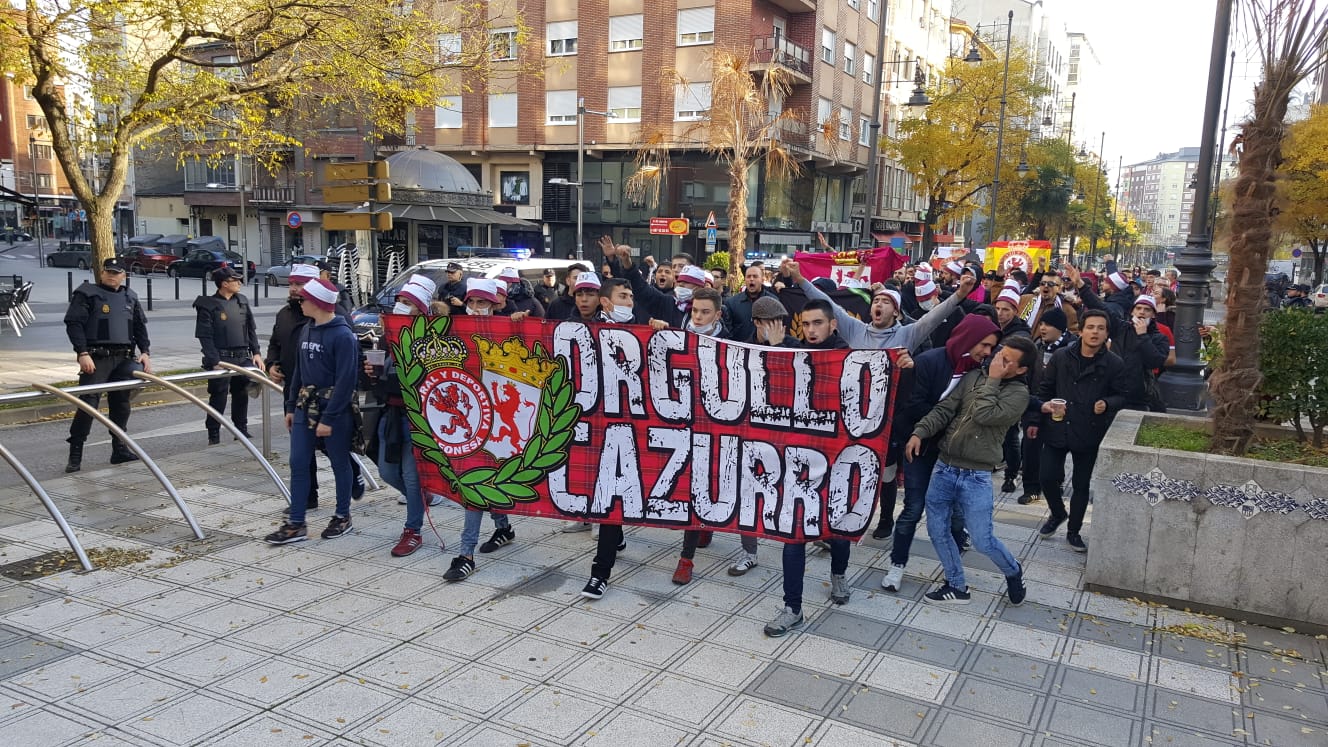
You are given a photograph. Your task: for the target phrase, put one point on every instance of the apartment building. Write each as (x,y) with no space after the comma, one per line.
(26,159)
(1159,192)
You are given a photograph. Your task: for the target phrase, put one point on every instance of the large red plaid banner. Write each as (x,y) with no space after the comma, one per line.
(631,425)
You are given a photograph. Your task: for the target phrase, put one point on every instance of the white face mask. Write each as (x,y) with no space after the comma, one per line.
(683,294)
(928,305)
(401,307)
(621,314)
(706,330)
(481,312)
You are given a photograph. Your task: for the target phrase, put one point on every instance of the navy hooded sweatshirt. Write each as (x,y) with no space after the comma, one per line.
(329,356)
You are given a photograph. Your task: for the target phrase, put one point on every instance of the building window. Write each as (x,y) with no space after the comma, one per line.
(43,181)
(691,101)
(560,107)
(873,8)
(625,103)
(845,123)
(868,68)
(502,110)
(35,122)
(449,49)
(447,115)
(823,111)
(562,38)
(854,4)
(864,131)
(27,93)
(827,46)
(41,152)
(502,45)
(696,26)
(626,32)
(850,57)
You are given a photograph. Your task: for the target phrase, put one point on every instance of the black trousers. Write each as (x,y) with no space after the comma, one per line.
(109,368)
(237,387)
(1053,483)
(1032,449)
(606,551)
(1010,450)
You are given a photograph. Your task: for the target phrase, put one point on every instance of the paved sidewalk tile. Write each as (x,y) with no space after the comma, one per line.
(232,642)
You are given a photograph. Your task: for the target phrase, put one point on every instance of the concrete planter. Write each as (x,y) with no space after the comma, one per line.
(1240,537)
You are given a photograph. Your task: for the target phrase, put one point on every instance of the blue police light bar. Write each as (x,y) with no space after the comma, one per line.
(494,252)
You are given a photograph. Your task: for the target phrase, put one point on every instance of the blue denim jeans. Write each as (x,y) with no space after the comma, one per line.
(337,448)
(917,476)
(403,476)
(795,567)
(967,491)
(470,530)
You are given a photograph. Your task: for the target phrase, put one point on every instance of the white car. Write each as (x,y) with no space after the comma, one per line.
(280,274)
(1320,297)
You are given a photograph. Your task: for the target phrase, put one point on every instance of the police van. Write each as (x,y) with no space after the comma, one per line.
(481,262)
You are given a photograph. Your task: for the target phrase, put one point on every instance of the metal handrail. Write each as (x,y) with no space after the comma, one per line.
(266,381)
(225,423)
(56,516)
(119,432)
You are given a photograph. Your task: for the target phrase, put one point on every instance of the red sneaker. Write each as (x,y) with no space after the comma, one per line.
(704,539)
(684,573)
(410,542)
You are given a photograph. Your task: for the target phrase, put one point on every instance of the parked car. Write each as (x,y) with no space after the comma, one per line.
(280,274)
(365,319)
(173,244)
(1320,297)
(147,239)
(144,259)
(199,263)
(72,254)
(12,235)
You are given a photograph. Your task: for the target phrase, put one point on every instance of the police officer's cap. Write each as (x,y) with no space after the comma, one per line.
(222,274)
(454,267)
(113,265)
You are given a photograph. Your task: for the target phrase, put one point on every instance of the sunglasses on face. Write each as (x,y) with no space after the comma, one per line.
(1050,284)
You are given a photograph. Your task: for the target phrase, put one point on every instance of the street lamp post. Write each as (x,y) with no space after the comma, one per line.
(580,183)
(1182,385)
(36,205)
(1097,193)
(1000,128)
(918,99)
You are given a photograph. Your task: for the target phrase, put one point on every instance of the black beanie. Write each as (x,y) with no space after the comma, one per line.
(1054,317)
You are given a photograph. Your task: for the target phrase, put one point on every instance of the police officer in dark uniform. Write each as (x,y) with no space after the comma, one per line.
(453,288)
(227,332)
(105,323)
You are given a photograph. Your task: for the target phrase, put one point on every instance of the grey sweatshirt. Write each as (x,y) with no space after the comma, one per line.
(862,335)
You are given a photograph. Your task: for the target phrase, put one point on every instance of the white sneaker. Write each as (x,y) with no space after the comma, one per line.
(893,578)
(744,564)
(576,526)
(435,499)
(401,500)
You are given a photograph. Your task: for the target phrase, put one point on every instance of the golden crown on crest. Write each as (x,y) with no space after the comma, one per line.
(438,351)
(514,360)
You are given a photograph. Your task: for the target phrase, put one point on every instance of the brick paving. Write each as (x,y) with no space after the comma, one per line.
(232,642)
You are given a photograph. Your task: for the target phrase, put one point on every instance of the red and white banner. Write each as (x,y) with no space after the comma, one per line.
(630,425)
(872,265)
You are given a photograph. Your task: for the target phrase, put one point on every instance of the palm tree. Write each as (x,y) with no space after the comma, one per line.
(1292,40)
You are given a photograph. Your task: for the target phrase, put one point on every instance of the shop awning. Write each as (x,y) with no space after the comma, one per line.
(441,214)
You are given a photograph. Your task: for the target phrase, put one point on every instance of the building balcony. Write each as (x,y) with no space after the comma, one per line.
(272,195)
(793,134)
(778,50)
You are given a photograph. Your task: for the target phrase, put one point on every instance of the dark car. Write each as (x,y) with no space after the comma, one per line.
(11,235)
(71,254)
(199,263)
(144,259)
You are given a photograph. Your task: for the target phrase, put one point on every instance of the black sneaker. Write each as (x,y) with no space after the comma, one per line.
(948,594)
(883,530)
(1076,542)
(214,438)
(1028,498)
(1050,526)
(1014,588)
(461,569)
(1008,486)
(965,544)
(501,536)
(244,432)
(308,507)
(287,534)
(595,588)
(357,488)
(338,526)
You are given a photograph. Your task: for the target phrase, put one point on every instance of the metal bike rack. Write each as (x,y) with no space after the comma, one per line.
(225,423)
(118,432)
(56,516)
(255,375)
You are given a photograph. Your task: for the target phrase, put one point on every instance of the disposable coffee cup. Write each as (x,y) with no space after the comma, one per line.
(376,358)
(1058,410)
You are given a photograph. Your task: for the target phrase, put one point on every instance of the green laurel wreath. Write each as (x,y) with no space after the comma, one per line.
(514,478)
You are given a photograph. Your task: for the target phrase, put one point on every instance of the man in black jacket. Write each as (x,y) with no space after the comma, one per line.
(738,309)
(1082,389)
(564,306)
(1134,337)
(225,329)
